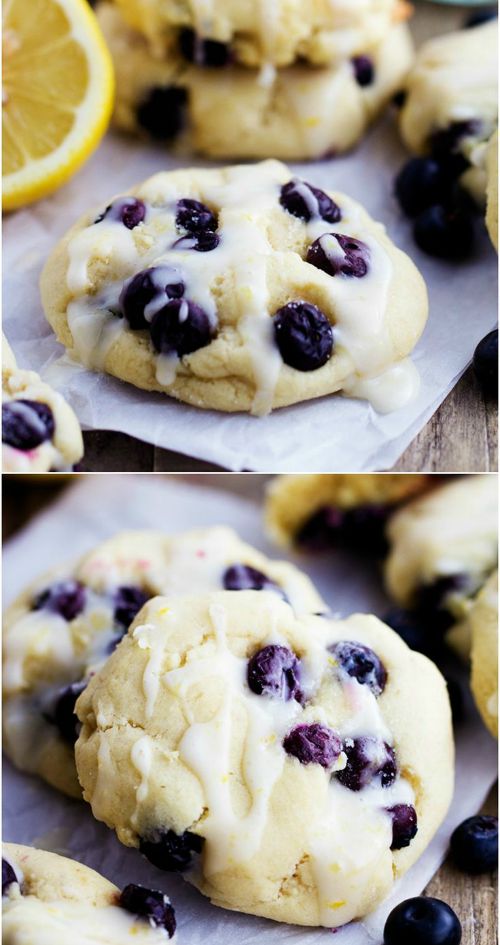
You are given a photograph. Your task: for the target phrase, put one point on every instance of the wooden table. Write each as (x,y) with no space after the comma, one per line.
(474,899)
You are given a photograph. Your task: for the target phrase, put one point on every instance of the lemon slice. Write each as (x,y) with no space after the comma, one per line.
(57,94)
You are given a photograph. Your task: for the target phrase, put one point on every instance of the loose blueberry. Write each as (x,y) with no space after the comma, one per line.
(419,184)
(147,292)
(201,242)
(26,424)
(313,744)
(477,19)
(8,876)
(306,202)
(404,825)
(303,335)
(485,364)
(337,254)
(242,577)
(323,530)
(275,671)
(204,52)
(181,327)
(362,663)
(446,141)
(364,70)
(149,904)
(367,758)
(171,852)
(422,921)
(474,844)
(161,113)
(447,234)
(194,216)
(128,602)
(66,598)
(127,210)
(62,714)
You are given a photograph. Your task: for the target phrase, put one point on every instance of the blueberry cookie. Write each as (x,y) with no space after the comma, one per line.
(443,547)
(39,430)
(50,900)
(483,620)
(256,751)
(450,104)
(65,625)
(297,113)
(492,189)
(262,33)
(341,510)
(241,288)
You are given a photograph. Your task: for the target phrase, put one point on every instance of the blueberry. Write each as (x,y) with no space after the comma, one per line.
(474,844)
(201,242)
(445,233)
(337,254)
(204,52)
(161,113)
(147,292)
(150,904)
(26,424)
(446,141)
(306,202)
(422,921)
(8,876)
(477,19)
(242,577)
(194,216)
(303,335)
(414,630)
(419,184)
(364,70)
(363,529)
(181,327)
(431,601)
(362,663)
(323,530)
(170,851)
(367,758)
(62,714)
(128,602)
(313,744)
(404,825)
(66,598)
(275,671)
(127,210)
(485,364)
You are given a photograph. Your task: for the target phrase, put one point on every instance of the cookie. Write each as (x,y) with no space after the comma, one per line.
(451,101)
(68,902)
(65,625)
(297,113)
(492,189)
(40,432)
(256,751)
(262,33)
(239,288)
(483,620)
(337,510)
(443,547)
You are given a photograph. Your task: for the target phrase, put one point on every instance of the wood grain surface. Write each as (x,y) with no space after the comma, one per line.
(474,899)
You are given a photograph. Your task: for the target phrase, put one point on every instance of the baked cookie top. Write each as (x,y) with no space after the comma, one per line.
(257,750)
(483,622)
(64,626)
(40,432)
(241,288)
(68,902)
(264,33)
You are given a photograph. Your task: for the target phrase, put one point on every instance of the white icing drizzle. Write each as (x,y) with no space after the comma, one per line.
(399,384)
(148,638)
(142,758)
(35,634)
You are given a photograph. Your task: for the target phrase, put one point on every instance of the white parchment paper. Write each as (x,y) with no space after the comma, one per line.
(314,436)
(96,508)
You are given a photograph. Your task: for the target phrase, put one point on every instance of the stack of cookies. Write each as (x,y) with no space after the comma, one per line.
(248,80)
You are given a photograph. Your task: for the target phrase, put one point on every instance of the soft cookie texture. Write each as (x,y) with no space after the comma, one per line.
(483,621)
(241,288)
(451,100)
(296,113)
(263,33)
(40,432)
(293,501)
(51,900)
(293,766)
(65,625)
